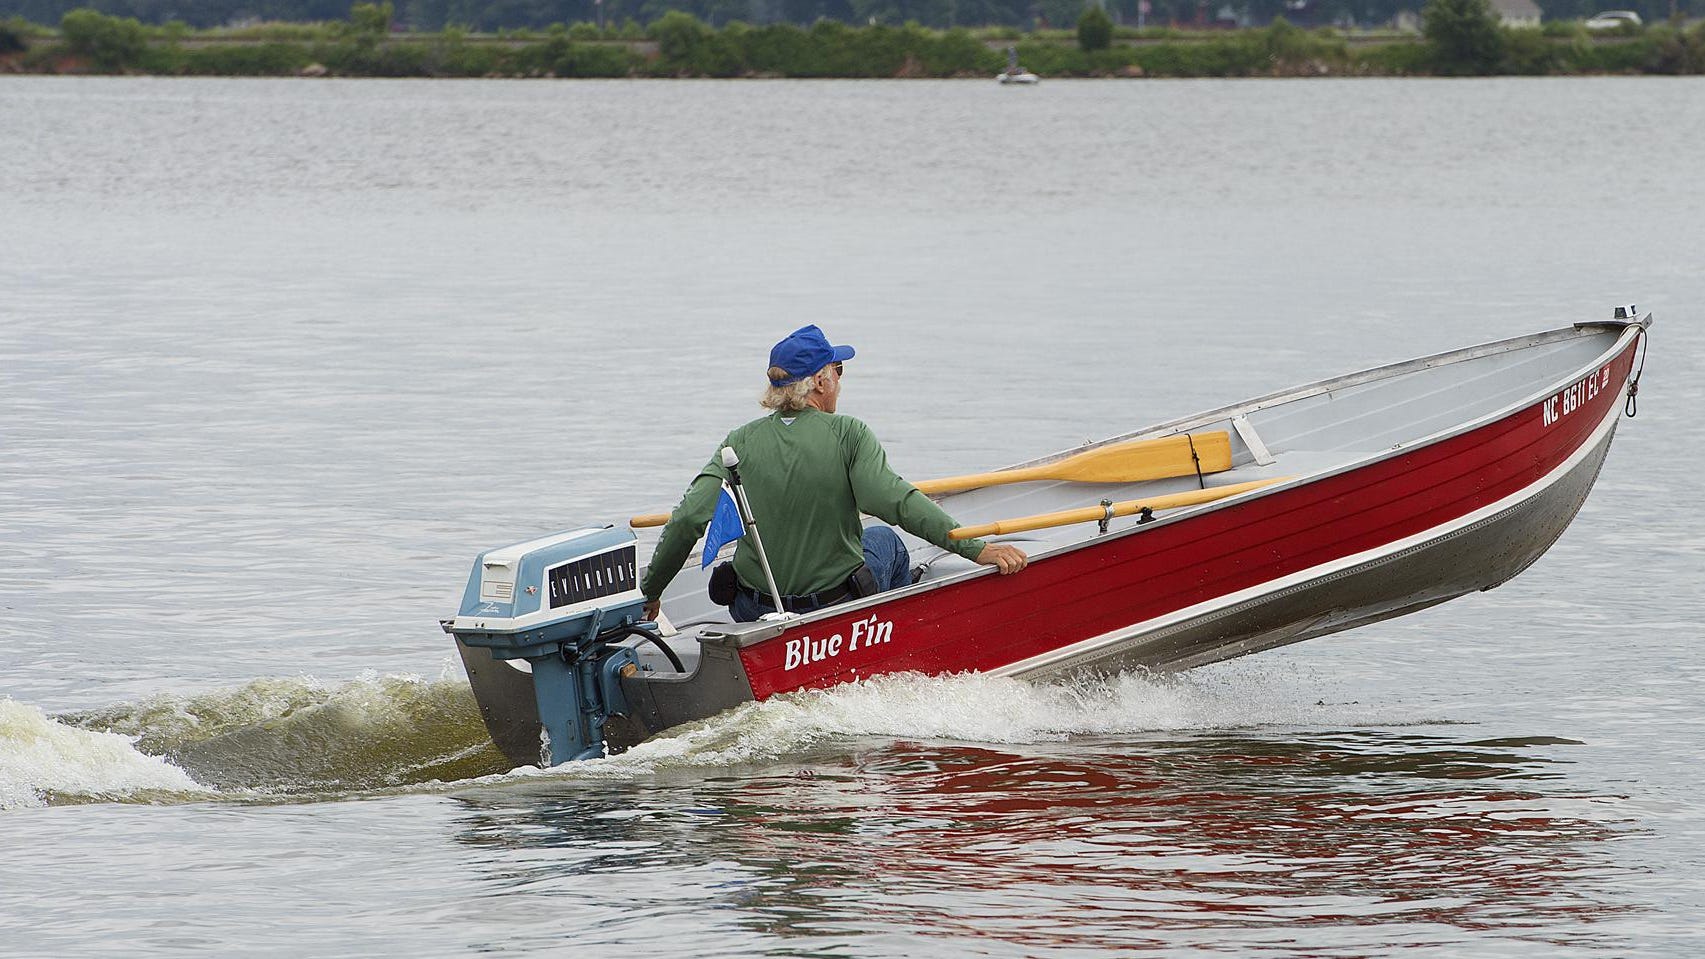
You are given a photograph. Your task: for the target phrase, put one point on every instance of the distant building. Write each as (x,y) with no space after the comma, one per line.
(1230,18)
(1516,13)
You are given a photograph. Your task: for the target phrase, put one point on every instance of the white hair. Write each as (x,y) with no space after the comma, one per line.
(789,397)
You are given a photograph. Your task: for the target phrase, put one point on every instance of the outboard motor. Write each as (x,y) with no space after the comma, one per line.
(558,603)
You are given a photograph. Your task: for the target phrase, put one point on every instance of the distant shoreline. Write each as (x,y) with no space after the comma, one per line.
(679,46)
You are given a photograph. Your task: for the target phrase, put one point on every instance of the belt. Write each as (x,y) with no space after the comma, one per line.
(802,603)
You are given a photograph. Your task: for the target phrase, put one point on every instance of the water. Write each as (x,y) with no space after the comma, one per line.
(278,358)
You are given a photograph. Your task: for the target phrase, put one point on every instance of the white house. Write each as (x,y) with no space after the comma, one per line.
(1516,13)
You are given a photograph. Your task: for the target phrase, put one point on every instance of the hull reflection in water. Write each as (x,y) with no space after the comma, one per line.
(1342,840)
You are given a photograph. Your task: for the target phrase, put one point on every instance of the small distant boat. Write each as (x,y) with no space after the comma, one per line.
(1015,73)
(1287,516)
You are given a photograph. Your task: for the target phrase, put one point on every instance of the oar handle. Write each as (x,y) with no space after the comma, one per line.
(958,484)
(648,519)
(1092,514)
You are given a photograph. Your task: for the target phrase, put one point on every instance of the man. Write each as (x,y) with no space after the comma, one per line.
(808,474)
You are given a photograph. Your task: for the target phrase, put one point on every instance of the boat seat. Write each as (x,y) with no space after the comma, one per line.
(1252,441)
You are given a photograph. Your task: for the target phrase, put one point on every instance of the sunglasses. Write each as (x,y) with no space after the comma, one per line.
(840,369)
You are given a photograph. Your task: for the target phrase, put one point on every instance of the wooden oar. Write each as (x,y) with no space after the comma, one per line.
(1092,514)
(1132,462)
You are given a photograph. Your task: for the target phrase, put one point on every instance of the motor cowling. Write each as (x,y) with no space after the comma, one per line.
(556,602)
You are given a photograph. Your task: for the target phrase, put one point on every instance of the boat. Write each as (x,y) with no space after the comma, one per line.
(1271,521)
(1015,73)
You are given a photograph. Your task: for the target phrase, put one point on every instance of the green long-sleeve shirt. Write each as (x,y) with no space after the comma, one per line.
(808,476)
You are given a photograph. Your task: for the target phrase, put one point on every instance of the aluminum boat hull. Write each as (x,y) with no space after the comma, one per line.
(1486,455)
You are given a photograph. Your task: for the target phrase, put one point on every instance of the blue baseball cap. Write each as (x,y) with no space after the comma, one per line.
(804,352)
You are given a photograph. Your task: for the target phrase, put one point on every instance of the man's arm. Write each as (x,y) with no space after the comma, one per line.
(882,493)
(686,524)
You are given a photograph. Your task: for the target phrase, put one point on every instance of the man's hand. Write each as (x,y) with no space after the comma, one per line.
(1010,559)
(653,609)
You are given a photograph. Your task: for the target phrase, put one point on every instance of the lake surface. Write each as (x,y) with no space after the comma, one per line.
(278,358)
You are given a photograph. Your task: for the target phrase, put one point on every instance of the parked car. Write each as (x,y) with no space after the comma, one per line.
(1613,19)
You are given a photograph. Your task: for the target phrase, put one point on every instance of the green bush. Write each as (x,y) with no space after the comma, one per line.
(1094,30)
(1284,40)
(561,57)
(957,53)
(470,61)
(1456,43)
(14,35)
(351,46)
(1053,60)
(1393,59)
(1676,51)
(111,43)
(279,32)
(687,47)
(1464,37)
(451,55)
(247,60)
(363,55)
(868,52)
(372,18)
(1632,56)
(1528,52)
(781,49)
(1292,50)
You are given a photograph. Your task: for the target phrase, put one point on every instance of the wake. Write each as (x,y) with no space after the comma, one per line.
(295,739)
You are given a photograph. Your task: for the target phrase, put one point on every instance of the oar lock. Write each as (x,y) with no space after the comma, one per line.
(1144,515)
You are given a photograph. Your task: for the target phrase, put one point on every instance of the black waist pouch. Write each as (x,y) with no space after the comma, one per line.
(724,585)
(862,582)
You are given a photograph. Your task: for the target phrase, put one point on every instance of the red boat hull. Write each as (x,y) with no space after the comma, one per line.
(1147,578)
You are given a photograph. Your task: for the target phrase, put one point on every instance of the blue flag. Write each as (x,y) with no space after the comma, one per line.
(725,527)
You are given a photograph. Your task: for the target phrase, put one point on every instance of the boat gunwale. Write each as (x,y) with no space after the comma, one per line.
(743,635)
(1049,662)
(1370,375)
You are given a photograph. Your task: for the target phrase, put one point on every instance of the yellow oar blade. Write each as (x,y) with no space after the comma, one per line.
(1133,462)
(1092,514)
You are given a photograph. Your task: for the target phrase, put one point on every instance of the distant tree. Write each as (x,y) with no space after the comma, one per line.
(1678,51)
(1094,29)
(1463,37)
(679,35)
(14,35)
(110,43)
(372,18)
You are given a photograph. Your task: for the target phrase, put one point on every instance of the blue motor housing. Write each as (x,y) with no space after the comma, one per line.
(557,602)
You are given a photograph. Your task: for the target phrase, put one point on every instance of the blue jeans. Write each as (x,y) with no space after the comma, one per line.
(884,554)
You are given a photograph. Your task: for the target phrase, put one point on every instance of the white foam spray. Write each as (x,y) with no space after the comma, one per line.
(40,756)
(980,708)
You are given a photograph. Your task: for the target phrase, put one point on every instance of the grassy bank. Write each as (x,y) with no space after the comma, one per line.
(677,45)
